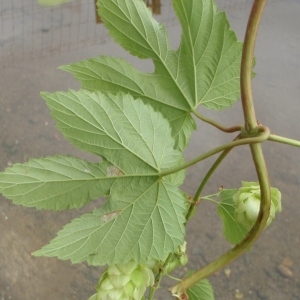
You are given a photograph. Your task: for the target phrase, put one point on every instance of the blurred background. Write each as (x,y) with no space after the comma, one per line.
(36,40)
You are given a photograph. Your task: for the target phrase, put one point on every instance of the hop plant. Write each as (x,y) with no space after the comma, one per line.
(247,200)
(124,282)
(179,259)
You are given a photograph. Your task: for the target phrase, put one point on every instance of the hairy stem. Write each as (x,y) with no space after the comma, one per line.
(283,140)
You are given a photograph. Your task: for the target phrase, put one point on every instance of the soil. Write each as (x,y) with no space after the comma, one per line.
(270,271)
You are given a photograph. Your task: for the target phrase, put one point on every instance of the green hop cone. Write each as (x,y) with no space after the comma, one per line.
(124,282)
(247,200)
(179,258)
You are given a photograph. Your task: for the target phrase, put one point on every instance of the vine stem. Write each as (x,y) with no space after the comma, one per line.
(251,127)
(205,180)
(246,243)
(247,63)
(283,140)
(265,133)
(158,277)
(217,125)
(252,236)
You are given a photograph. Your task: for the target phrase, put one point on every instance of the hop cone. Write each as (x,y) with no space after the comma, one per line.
(247,201)
(124,282)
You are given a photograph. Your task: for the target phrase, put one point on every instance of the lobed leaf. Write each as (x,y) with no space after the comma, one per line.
(134,121)
(129,134)
(132,136)
(144,218)
(108,74)
(234,232)
(204,70)
(56,183)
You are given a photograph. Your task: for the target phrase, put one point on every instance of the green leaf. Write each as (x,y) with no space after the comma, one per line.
(210,54)
(131,24)
(108,74)
(129,134)
(206,67)
(143,218)
(56,183)
(201,291)
(204,70)
(177,178)
(94,297)
(234,232)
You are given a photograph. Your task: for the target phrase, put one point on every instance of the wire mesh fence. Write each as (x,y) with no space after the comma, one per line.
(28,30)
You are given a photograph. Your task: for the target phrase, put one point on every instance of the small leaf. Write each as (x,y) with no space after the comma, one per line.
(126,132)
(234,232)
(148,217)
(56,183)
(201,291)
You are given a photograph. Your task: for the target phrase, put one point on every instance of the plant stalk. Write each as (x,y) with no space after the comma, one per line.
(205,180)
(251,126)
(248,241)
(283,140)
(158,278)
(252,236)
(247,63)
(217,125)
(265,133)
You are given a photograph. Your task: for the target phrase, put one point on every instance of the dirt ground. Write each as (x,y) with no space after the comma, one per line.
(27,130)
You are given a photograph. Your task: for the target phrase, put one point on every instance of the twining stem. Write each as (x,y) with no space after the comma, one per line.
(251,127)
(252,236)
(217,125)
(284,140)
(248,241)
(265,132)
(247,64)
(205,180)
(158,277)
